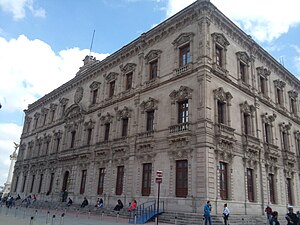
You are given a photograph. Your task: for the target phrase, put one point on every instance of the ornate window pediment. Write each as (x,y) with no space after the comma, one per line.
(129,67)
(106,118)
(293,94)
(243,56)
(279,84)
(90,124)
(123,113)
(285,127)
(111,76)
(220,39)
(221,95)
(44,111)
(37,115)
(153,54)
(74,112)
(53,106)
(182,94)
(183,39)
(63,101)
(261,71)
(57,134)
(95,85)
(268,118)
(47,138)
(149,105)
(246,108)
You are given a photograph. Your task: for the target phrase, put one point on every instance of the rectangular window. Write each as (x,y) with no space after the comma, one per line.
(153,69)
(24,183)
(293,106)
(243,72)
(184,55)
(47,147)
(52,115)
(51,183)
(285,141)
(181,178)
(41,183)
(272,188)
(83,181)
(45,119)
(250,185)
(129,81)
(219,59)
(112,88)
(32,183)
(16,184)
(106,131)
(289,191)
(124,127)
(223,181)
(183,112)
(101,181)
(146,180)
(89,136)
(57,144)
(279,96)
(73,135)
(298,146)
(263,85)
(94,96)
(150,120)
(221,112)
(247,124)
(120,177)
(36,122)
(268,133)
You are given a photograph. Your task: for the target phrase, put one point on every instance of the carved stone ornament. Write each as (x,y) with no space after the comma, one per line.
(268,118)
(182,94)
(293,94)
(123,113)
(89,124)
(183,38)
(63,101)
(95,85)
(37,115)
(220,39)
(74,112)
(285,126)
(53,106)
(279,84)
(153,54)
(246,108)
(28,119)
(128,67)
(78,95)
(221,95)
(44,111)
(57,134)
(224,151)
(297,134)
(261,71)
(106,118)
(111,76)
(243,56)
(149,105)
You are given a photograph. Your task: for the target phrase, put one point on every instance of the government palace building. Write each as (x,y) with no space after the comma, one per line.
(194,97)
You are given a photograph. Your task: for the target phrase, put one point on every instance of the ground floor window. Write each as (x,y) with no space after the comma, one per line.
(181,178)
(146,182)
(223,180)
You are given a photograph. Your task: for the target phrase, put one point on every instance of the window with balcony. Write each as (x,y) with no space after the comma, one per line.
(120,178)
(279,92)
(223,179)
(263,74)
(248,114)
(83,181)
(146,179)
(219,47)
(222,106)
(181,178)
(268,121)
(183,114)
(184,55)
(101,181)
(221,112)
(243,61)
(293,96)
(152,60)
(219,55)
(250,185)
(285,135)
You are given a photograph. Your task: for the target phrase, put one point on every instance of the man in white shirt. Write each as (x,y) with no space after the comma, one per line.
(226,213)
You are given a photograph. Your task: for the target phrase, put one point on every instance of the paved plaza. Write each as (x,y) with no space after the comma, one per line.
(23,216)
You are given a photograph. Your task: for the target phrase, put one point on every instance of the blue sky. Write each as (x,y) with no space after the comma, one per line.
(43,42)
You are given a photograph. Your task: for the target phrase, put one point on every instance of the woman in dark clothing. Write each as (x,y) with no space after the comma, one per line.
(274,220)
(119,205)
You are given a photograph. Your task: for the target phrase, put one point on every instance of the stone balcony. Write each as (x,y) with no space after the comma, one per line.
(224,132)
(183,69)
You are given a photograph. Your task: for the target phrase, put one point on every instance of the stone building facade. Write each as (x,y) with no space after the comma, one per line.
(194,97)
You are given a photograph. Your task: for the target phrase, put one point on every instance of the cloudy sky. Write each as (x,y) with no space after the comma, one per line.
(42,43)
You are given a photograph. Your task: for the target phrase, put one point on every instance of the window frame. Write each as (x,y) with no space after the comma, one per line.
(150,120)
(181,184)
(125,123)
(272,191)
(146,179)
(184,55)
(83,181)
(106,131)
(120,180)
(250,185)
(100,187)
(223,180)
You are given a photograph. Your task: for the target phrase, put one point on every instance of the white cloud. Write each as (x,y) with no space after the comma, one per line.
(297,58)
(29,70)
(18,8)
(264,20)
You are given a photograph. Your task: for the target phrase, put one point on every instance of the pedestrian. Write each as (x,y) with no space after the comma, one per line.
(291,217)
(207,211)
(132,206)
(274,218)
(70,202)
(84,203)
(268,211)
(119,205)
(99,203)
(298,215)
(226,213)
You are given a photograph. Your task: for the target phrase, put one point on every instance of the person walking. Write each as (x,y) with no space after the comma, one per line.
(226,213)
(268,211)
(207,211)
(274,219)
(291,217)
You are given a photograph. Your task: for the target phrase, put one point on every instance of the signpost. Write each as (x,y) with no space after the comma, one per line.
(158,180)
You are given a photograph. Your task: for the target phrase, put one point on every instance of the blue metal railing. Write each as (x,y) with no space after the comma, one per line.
(146,211)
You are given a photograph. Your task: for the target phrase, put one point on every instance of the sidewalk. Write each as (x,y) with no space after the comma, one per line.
(23,216)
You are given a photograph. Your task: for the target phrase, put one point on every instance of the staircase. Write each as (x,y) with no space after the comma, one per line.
(145,212)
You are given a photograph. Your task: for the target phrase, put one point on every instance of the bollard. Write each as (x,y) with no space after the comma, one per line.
(16,211)
(89,214)
(31,220)
(52,221)
(36,212)
(175,220)
(243,221)
(47,218)
(102,215)
(6,212)
(117,217)
(62,219)
(24,214)
(77,212)
(135,219)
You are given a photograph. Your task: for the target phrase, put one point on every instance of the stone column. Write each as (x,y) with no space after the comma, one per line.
(13,159)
